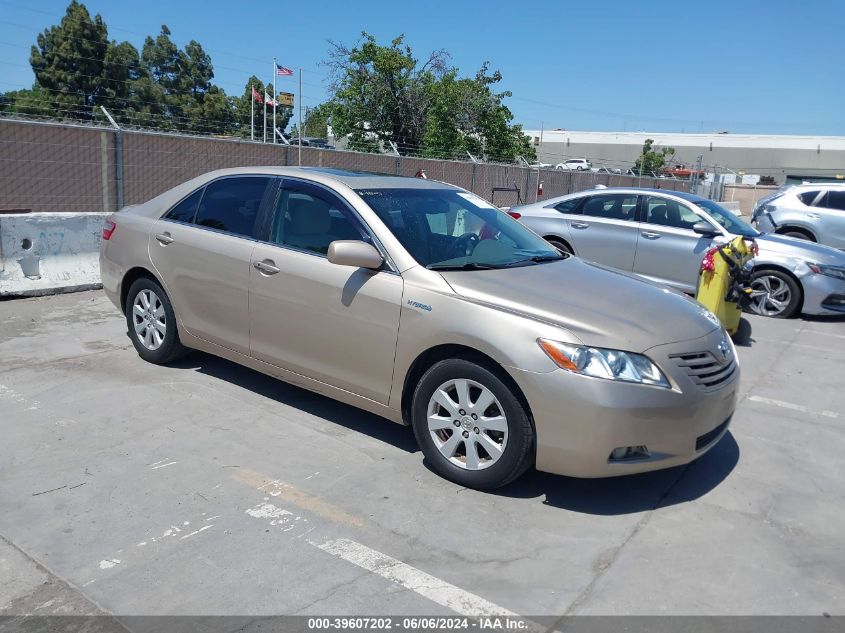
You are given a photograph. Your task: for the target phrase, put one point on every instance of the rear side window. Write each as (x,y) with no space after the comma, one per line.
(569,206)
(618,206)
(807,197)
(185,210)
(231,204)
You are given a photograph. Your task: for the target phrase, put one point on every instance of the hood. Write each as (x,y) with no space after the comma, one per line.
(601,306)
(799,249)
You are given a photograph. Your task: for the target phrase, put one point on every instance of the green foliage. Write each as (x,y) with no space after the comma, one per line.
(316,122)
(383,93)
(68,62)
(652,160)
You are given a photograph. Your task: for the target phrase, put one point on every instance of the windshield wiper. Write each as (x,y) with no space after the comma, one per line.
(536,259)
(465,266)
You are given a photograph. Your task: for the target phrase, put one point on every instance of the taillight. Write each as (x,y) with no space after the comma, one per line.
(514,215)
(108,229)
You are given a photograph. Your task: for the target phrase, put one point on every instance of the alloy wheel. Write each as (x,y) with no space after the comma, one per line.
(467,424)
(149,319)
(770,295)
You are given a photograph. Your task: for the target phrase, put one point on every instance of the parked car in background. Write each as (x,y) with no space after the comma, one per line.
(423,303)
(814,212)
(663,236)
(577,164)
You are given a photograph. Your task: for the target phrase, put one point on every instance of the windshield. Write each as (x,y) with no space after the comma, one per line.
(446,229)
(730,222)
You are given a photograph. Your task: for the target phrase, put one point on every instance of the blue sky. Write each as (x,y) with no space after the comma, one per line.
(757,67)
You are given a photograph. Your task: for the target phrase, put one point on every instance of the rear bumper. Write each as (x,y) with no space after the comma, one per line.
(580,420)
(111,274)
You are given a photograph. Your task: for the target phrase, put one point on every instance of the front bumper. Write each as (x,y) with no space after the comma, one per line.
(581,420)
(823,294)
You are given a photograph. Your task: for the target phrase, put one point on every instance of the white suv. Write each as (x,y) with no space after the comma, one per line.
(812,211)
(578,164)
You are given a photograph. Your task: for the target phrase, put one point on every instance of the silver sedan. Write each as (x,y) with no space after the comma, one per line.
(663,235)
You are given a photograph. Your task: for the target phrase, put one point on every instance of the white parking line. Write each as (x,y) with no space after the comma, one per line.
(792,407)
(426,585)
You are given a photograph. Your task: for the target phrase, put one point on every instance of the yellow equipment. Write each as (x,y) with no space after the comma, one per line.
(723,283)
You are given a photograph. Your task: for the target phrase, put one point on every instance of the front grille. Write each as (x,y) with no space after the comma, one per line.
(705,370)
(705,440)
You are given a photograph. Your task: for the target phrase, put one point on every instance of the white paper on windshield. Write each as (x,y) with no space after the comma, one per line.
(481,203)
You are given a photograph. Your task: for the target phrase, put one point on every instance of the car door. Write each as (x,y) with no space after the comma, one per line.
(829,210)
(335,324)
(605,229)
(201,250)
(668,250)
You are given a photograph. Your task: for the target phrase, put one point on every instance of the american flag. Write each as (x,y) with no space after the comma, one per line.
(281,71)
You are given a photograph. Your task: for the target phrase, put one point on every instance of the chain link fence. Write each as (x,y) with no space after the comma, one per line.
(65,167)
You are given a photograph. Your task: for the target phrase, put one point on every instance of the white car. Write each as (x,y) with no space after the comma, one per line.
(577,164)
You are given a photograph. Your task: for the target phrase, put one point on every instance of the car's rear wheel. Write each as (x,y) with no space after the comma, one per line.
(774,294)
(152,323)
(560,245)
(470,425)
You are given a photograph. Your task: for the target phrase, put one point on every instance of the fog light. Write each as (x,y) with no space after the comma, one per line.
(627,453)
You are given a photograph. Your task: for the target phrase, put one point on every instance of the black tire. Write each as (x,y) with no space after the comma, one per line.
(801,235)
(517,455)
(795,297)
(560,245)
(171,347)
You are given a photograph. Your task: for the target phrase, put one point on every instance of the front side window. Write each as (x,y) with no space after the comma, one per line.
(666,212)
(726,219)
(185,210)
(616,206)
(310,220)
(232,204)
(834,200)
(447,229)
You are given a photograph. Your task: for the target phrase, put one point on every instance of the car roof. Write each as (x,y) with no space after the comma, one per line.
(352,179)
(691,197)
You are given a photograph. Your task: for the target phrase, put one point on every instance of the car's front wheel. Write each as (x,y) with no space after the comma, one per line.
(470,425)
(774,294)
(152,323)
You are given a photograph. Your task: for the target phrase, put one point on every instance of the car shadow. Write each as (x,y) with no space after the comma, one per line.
(307,401)
(633,493)
(823,318)
(609,496)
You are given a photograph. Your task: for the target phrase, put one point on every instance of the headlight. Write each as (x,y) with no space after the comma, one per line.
(610,364)
(831,271)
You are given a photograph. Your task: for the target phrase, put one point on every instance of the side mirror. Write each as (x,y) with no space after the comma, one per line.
(704,228)
(355,253)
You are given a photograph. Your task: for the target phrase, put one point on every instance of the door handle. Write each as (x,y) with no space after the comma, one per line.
(267,267)
(650,236)
(579,225)
(164,238)
(813,216)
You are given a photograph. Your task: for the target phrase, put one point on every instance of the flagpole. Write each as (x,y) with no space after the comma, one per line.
(299,127)
(251,112)
(274,99)
(264,127)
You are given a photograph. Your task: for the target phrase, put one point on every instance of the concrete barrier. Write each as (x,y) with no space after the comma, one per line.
(47,253)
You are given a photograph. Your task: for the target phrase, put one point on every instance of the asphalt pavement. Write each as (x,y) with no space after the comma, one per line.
(207,488)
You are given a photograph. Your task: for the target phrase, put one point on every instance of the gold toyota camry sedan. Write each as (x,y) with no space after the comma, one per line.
(420,302)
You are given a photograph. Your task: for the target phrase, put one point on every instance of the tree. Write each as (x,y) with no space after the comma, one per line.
(652,160)
(467,116)
(68,62)
(316,122)
(382,93)
(242,110)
